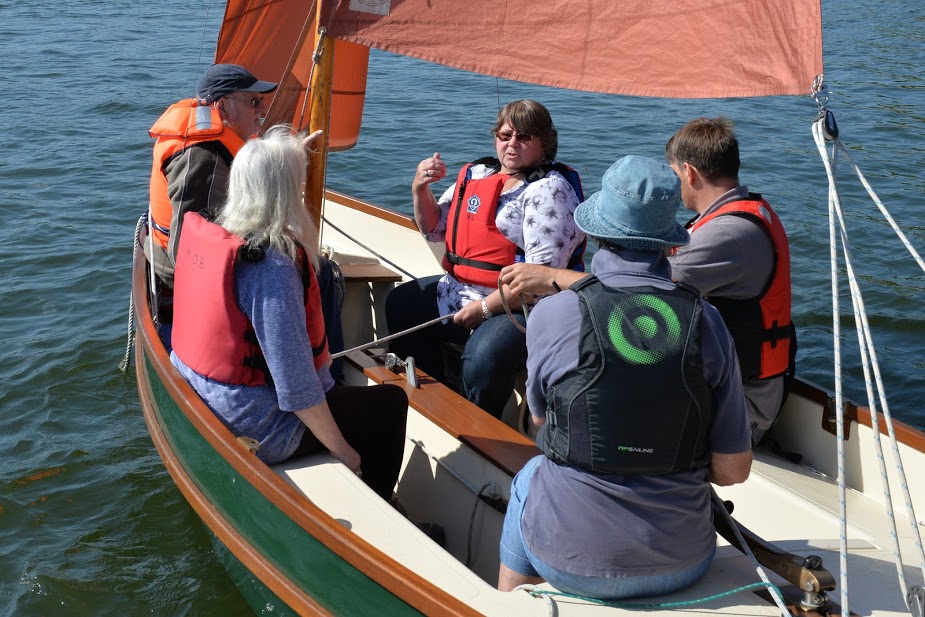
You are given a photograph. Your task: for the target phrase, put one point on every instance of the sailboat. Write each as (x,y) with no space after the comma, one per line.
(815,529)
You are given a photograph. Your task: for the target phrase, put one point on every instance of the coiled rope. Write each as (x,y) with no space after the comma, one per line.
(868,360)
(130,335)
(549,594)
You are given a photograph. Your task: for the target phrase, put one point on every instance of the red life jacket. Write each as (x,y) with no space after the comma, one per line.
(184,124)
(761,326)
(210,332)
(476,250)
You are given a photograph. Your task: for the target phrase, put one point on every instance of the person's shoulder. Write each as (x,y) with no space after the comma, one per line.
(552,305)
(481,170)
(273,264)
(552,182)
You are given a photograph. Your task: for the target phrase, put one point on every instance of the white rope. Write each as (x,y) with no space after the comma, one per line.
(865,339)
(772,589)
(130,335)
(839,400)
(886,213)
(551,607)
(390,337)
(868,358)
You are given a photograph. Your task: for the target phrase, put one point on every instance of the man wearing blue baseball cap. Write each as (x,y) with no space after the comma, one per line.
(197,138)
(634,383)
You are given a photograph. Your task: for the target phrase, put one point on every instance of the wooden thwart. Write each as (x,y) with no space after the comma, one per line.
(369,273)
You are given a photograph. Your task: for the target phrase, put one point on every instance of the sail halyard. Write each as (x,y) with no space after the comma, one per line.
(662,48)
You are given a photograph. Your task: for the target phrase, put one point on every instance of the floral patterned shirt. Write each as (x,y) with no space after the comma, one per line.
(539,217)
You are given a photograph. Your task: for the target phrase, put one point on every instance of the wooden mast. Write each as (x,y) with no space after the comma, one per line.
(319,118)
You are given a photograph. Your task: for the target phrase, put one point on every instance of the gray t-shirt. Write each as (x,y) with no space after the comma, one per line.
(732,257)
(270,293)
(624,525)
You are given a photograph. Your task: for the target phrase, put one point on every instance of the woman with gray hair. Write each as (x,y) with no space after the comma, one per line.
(249,334)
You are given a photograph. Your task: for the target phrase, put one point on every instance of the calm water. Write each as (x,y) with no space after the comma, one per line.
(90,522)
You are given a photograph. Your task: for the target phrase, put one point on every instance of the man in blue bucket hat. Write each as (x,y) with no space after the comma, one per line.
(634,383)
(738,258)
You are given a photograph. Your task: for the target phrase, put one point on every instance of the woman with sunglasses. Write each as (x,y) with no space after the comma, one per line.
(516,207)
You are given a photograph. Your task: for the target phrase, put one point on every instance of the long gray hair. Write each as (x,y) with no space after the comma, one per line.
(265,205)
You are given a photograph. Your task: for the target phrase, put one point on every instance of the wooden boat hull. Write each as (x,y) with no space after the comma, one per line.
(316,543)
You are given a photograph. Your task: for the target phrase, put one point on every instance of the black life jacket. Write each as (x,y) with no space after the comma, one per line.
(637,403)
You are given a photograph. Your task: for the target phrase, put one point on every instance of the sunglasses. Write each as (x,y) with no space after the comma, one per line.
(523,138)
(253,101)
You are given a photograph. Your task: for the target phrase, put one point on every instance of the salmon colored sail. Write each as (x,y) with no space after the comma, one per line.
(274,40)
(659,48)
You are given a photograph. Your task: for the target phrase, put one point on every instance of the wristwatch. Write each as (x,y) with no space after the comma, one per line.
(486,314)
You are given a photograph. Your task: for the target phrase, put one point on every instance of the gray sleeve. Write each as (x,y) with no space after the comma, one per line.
(730,432)
(730,257)
(550,354)
(197,180)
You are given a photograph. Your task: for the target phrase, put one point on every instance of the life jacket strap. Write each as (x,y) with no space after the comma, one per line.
(456,260)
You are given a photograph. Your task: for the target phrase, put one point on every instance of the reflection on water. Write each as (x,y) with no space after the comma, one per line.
(90,522)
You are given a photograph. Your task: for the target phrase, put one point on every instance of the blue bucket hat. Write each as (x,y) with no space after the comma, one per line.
(635,207)
(222,79)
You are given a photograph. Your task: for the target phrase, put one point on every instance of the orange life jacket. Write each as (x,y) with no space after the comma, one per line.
(210,332)
(761,326)
(184,124)
(476,250)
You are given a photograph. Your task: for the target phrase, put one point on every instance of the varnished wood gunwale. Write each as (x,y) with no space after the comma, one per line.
(250,558)
(905,434)
(411,588)
(367,208)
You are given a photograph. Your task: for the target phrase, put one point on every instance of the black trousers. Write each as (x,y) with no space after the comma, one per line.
(372,420)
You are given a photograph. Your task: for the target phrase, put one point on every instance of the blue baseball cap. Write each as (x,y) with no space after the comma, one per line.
(223,79)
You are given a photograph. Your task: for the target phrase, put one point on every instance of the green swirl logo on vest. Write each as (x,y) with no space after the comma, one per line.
(644,329)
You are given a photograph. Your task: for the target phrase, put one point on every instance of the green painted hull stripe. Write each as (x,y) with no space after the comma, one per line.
(332,582)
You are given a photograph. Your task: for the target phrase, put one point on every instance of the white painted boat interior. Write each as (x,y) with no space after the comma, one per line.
(788,504)
(795,506)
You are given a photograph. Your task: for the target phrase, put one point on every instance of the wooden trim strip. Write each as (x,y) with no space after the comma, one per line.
(418,592)
(905,433)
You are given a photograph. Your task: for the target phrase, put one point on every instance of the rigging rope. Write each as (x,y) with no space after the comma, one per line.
(772,589)
(507,308)
(839,399)
(375,342)
(868,360)
(548,593)
(475,509)
(367,248)
(130,336)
